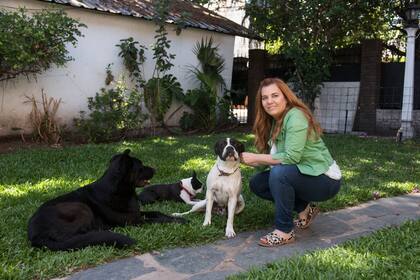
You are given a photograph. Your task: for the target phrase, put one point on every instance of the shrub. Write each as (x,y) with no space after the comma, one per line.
(114,112)
(32,44)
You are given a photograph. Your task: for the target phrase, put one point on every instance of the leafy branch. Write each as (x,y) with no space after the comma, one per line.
(30,45)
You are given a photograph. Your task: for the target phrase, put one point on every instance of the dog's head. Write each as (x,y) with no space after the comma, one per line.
(229,149)
(192,183)
(130,169)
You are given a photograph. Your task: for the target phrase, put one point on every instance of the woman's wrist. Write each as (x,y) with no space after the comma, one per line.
(267,159)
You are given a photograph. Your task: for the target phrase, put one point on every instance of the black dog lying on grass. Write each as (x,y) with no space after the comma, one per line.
(83,217)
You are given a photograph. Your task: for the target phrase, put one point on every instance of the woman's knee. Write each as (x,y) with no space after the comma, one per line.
(279,175)
(281,172)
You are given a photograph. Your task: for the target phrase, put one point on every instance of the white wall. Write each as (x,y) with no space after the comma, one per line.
(335,107)
(235,11)
(84,76)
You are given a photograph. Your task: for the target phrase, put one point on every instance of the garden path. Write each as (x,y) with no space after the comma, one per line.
(227,257)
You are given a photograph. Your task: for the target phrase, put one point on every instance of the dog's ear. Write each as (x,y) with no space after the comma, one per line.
(196,184)
(241,148)
(218,147)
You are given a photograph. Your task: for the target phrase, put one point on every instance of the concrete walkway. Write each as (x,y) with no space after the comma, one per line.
(226,257)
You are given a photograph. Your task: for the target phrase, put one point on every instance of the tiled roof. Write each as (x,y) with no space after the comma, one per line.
(195,16)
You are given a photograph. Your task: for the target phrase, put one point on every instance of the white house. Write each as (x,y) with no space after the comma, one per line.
(109,21)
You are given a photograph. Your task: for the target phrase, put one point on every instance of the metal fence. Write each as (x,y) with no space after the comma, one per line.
(336,109)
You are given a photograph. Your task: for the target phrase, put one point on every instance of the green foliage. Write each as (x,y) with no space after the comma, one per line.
(133,57)
(24,186)
(311,69)
(162,88)
(114,112)
(159,94)
(203,105)
(307,31)
(30,44)
(208,109)
(159,91)
(211,65)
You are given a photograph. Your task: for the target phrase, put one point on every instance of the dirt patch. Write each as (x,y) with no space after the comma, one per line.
(13,144)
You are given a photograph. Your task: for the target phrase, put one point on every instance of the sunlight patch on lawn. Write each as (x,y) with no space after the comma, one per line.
(12,191)
(46,185)
(365,160)
(166,140)
(346,258)
(198,164)
(400,185)
(348,174)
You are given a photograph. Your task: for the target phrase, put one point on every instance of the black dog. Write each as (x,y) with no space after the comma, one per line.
(83,217)
(183,191)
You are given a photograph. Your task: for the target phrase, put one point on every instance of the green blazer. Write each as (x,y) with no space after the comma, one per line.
(294,147)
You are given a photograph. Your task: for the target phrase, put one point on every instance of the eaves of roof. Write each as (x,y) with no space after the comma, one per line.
(192,15)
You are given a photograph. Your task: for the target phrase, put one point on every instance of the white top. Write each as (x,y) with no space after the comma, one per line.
(334,171)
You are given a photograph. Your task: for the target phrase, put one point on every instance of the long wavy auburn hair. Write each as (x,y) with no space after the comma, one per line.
(263,121)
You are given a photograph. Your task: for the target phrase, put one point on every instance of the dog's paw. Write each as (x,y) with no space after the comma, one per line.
(206,223)
(230,233)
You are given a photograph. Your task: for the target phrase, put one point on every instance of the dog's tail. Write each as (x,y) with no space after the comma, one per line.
(87,239)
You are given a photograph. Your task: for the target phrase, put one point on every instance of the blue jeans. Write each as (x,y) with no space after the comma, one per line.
(291,190)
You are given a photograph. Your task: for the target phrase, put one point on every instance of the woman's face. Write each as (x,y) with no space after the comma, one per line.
(273,100)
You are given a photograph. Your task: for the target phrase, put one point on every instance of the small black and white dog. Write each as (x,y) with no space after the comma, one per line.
(183,191)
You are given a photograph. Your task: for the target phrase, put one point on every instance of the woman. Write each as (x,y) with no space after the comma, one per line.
(301,167)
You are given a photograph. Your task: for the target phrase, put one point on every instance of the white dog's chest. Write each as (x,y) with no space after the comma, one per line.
(221,197)
(224,187)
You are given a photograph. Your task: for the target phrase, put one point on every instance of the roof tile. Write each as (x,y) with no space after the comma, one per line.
(193,15)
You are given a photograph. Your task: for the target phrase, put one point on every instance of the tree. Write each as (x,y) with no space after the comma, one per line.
(30,44)
(308,31)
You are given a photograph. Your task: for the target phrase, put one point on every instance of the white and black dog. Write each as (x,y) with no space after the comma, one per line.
(224,184)
(183,191)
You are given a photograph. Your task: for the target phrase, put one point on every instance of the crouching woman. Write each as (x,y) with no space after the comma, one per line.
(301,169)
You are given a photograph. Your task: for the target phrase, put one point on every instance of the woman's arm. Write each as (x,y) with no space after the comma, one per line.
(252,159)
(296,132)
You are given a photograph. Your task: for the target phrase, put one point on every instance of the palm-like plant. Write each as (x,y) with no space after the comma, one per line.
(209,72)
(203,100)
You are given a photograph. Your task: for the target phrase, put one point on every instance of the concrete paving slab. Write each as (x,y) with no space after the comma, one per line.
(191,260)
(119,270)
(230,256)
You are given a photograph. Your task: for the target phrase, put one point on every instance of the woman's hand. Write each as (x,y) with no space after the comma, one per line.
(250,159)
(254,160)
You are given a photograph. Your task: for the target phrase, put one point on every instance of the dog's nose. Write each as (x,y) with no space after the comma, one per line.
(230,151)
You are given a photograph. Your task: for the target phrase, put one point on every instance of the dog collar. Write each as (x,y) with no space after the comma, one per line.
(187,191)
(223,173)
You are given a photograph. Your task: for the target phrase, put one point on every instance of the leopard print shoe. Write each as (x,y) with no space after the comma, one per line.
(273,240)
(306,222)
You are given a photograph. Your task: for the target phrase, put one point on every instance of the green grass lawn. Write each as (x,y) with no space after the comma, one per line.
(391,253)
(30,177)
